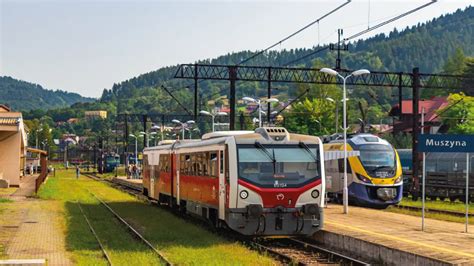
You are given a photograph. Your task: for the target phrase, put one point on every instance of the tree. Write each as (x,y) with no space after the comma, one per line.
(459,114)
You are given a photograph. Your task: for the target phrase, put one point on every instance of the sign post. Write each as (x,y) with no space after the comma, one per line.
(423,181)
(467,191)
(446,143)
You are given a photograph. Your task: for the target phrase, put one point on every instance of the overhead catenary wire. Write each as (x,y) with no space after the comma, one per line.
(363,32)
(295,33)
(389,21)
(289,36)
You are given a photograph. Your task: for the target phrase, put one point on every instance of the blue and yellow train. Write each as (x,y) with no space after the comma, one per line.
(374,177)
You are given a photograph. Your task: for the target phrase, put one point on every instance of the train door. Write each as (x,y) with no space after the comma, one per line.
(177,158)
(152,181)
(222,185)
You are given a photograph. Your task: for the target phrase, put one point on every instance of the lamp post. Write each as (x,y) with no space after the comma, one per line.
(136,148)
(213,115)
(345,194)
(183,125)
(319,122)
(142,134)
(155,136)
(259,103)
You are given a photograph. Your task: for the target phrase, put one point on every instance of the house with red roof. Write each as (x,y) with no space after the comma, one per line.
(430,107)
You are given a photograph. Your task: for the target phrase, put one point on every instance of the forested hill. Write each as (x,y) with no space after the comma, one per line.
(426,45)
(22,96)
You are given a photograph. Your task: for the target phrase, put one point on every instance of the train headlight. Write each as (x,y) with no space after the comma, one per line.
(244,194)
(398,180)
(363,179)
(315,194)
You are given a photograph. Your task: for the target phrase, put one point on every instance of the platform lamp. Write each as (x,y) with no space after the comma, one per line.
(183,125)
(213,115)
(136,148)
(259,103)
(332,72)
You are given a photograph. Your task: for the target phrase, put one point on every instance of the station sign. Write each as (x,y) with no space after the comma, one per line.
(445,143)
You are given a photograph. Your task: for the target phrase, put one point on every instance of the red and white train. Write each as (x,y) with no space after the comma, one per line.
(262,182)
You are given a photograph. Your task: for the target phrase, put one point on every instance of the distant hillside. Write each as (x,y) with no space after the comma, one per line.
(22,96)
(426,45)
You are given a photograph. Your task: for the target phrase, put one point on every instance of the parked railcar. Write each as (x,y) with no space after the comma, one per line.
(374,177)
(266,182)
(445,176)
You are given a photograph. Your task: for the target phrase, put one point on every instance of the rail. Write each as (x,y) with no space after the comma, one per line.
(104,252)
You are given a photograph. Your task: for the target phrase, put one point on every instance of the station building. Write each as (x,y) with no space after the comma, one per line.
(13,142)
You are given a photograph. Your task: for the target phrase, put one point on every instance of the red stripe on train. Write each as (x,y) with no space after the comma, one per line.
(286,197)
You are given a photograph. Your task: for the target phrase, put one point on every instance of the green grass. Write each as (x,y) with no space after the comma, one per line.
(438,205)
(121,246)
(181,241)
(3,200)
(120,172)
(436,216)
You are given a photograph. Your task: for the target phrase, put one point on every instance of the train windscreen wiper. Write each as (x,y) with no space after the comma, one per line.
(306,148)
(260,146)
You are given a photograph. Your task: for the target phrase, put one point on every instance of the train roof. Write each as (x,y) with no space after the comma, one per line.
(219,134)
(263,134)
(359,139)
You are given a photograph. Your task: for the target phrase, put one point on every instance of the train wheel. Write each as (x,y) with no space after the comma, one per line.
(442,198)
(452,199)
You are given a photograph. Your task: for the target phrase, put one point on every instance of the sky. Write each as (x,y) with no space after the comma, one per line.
(85,46)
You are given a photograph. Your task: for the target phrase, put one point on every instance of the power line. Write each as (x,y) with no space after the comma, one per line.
(389,21)
(294,33)
(363,32)
(291,35)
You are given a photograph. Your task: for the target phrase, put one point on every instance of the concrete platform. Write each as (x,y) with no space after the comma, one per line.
(396,239)
(133,183)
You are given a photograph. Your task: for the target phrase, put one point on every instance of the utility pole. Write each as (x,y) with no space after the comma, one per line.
(232,79)
(416,98)
(125,141)
(343,47)
(269,94)
(195,92)
(145,119)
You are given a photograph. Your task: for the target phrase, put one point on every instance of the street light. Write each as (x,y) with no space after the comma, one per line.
(155,136)
(183,125)
(344,101)
(136,148)
(213,115)
(259,103)
(319,122)
(144,134)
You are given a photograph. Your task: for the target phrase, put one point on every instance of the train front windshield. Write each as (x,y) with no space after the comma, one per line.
(273,166)
(378,158)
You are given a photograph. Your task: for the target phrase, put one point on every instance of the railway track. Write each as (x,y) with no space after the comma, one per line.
(301,252)
(129,227)
(286,250)
(447,212)
(104,252)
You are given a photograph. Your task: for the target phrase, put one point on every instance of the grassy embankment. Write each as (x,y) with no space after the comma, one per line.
(180,241)
(436,205)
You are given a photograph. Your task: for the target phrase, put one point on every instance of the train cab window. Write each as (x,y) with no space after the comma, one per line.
(278,166)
